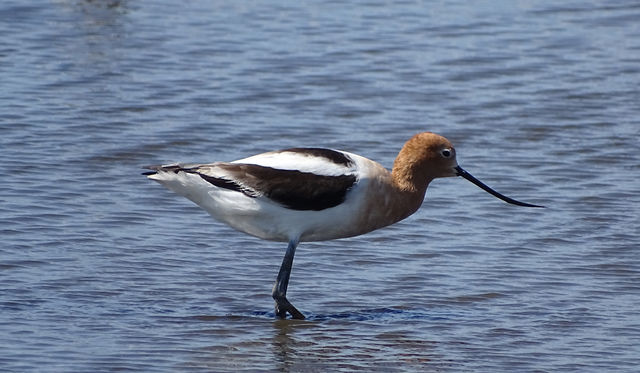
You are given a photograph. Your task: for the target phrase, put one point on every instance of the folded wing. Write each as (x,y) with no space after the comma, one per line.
(298,179)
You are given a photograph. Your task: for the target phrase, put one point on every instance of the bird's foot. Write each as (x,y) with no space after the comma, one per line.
(283,306)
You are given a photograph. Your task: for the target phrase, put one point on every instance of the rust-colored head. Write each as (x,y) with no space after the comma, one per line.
(424,157)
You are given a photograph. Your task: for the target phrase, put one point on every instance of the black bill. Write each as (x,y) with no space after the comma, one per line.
(479,183)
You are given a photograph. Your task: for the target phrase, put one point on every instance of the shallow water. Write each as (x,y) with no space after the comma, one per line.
(103,270)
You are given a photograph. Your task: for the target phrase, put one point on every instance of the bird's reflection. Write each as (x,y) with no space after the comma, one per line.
(296,345)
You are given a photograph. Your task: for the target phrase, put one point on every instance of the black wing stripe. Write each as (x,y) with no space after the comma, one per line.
(293,189)
(226,184)
(331,155)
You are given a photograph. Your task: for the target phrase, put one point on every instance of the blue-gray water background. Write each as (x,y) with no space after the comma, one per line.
(102,270)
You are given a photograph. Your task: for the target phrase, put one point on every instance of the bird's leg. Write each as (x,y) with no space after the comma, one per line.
(282,282)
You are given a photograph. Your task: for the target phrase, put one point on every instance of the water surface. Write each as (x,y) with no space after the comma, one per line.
(103,270)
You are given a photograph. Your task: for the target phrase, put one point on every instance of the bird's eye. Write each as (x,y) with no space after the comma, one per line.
(446,153)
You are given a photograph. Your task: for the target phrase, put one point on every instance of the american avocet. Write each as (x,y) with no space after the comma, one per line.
(315,194)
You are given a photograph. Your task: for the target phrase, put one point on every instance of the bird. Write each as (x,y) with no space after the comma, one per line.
(315,194)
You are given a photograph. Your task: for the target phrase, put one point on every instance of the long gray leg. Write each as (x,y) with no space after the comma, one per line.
(282,282)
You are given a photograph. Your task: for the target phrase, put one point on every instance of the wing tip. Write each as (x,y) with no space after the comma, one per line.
(173,167)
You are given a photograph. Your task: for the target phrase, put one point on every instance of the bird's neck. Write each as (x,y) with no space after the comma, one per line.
(409,177)
(408,197)
(409,180)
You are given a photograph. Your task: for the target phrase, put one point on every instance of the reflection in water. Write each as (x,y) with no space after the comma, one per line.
(284,343)
(306,345)
(380,338)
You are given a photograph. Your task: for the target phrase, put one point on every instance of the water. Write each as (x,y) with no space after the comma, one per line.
(102,270)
